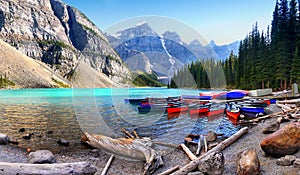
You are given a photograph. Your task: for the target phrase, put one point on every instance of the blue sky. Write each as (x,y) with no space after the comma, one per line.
(224,21)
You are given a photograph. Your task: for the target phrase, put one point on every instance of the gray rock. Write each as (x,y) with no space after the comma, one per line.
(4,139)
(271,128)
(286,160)
(41,156)
(63,142)
(212,136)
(248,163)
(297,163)
(212,164)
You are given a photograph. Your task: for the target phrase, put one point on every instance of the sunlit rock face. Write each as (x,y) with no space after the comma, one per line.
(59,35)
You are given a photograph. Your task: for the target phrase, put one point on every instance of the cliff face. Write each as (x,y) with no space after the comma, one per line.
(26,72)
(58,35)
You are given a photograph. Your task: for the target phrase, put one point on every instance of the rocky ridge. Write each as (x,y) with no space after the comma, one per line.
(60,36)
(166,53)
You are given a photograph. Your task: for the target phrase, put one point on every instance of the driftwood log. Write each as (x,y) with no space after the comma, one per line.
(188,152)
(194,164)
(47,169)
(169,171)
(136,149)
(104,171)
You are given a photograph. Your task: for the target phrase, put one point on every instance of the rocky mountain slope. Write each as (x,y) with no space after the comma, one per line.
(142,44)
(142,48)
(26,72)
(60,36)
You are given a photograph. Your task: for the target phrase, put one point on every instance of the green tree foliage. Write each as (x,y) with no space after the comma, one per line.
(147,80)
(4,81)
(266,59)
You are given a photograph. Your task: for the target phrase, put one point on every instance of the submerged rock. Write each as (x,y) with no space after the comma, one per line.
(283,142)
(286,160)
(41,156)
(248,163)
(4,139)
(212,164)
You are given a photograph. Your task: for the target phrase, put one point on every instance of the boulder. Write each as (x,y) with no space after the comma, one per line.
(271,128)
(286,160)
(212,136)
(212,164)
(4,139)
(248,163)
(282,142)
(41,156)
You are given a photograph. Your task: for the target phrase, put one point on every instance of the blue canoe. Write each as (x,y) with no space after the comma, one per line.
(197,97)
(252,109)
(231,95)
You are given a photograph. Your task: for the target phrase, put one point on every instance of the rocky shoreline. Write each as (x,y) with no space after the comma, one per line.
(251,140)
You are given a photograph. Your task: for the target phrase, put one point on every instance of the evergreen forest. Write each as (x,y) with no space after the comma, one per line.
(266,59)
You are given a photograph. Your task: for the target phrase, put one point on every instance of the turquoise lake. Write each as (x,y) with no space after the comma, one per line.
(51,114)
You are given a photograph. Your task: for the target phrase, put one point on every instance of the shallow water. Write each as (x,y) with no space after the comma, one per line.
(51,114)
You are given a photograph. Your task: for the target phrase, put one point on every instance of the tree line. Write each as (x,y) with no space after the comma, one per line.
(266,59)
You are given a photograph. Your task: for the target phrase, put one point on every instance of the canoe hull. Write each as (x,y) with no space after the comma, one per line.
(252,110)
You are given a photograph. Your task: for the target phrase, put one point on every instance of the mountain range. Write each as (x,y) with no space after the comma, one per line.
(62,38)
(142,48)
(66,48)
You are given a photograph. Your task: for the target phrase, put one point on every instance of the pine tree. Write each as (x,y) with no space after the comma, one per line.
(295,72)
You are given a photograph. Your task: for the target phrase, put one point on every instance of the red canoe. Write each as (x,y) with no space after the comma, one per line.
(215,112)
(177,109)
(200,110)
(234,115)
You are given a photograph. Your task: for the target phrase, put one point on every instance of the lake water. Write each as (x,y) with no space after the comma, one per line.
(51,114)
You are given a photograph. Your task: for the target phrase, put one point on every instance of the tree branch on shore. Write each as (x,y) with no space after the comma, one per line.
(193,164)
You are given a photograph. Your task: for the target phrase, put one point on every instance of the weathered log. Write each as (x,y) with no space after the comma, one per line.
(169,171)
(198,146)
(47,169)
(193,164)
(166,144)
(107,165)
(136,149)
(248,163)
(127,133)
(205,143)
(284,107)
(188,152)
(136,134)
(289,101)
